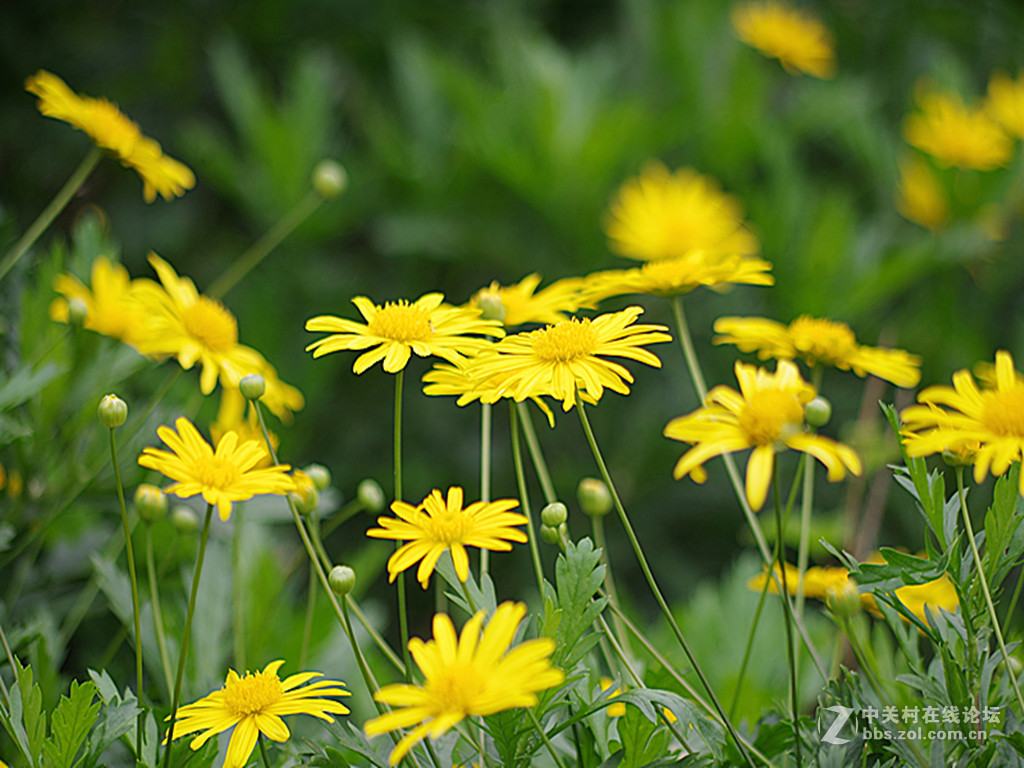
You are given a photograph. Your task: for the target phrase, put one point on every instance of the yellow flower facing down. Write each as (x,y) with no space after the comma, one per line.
(111,305)
(223,476)
(818,341)
(522,303)
(767,414)
(1005,102)
(254,704)
(987,422)
(955,134)
(567,357)
(663,215)
(236,414)
(800,42)
(438,524)
(474,674)
(456,381)
(920,197)
(111,130)
(396,330)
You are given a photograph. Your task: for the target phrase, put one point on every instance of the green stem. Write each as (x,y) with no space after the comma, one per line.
(262,247)
(1016,595)
(50,212)
(649,575)
(524,498)
(238,592)
(794,689)
(806,507)
(196,573)
(545,739)
(486,412)
(403,613)
(749,647)
(158,614)
(984,587)
(597,526)
(536,455)
(343,515)
(10,661)
(307,627)
(263,751)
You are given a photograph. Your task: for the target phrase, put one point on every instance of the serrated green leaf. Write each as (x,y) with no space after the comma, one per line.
(70,725)
(642,742)
(29,711)
(578,576)
(353,738)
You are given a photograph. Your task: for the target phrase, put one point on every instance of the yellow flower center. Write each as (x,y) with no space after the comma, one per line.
(215,472)
(252,694)
(457,688)
(447,527)
(565,342)
(770,416)
(1003,412)
(822,340)
(401,321)
(211,324)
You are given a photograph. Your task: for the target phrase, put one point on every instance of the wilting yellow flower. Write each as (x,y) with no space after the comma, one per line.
(954,134)
(223,476)
(817,341)
(613,710)
(474,674)
(767,414)
(989,422)
(438,524)
(662,215)
(569,356)
(800,42)
(110,302)
(1005,102)
(523,303)
(674,276)
(817,580)
(456,381)
(397,329)
(111,130)
(920,196)
(254,704)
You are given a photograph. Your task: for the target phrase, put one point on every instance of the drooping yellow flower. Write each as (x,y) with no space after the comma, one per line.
(474,674)
(955,134)
(767,414)
(254,704)
(818,580)
(522,303)
(817,341)
(1005,102)
(438,524)
(396,330)
(450,380)
(674,276)
(236,414)
(920,197)
(110,302)
(569,356)
(111,130)
(799,41)
(223,476)
(662,215)
(988,421)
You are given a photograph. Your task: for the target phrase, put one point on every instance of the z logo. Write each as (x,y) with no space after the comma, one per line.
(842,715)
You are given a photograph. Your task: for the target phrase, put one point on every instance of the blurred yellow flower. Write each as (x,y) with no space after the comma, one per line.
(613,710)
(818,341)
(662,215)
(111,130)
(522,303)
(110,302)
(800,42)
(919,195)
(457,381)
(767,414)
(236,414)
(1005,102)
(955,134)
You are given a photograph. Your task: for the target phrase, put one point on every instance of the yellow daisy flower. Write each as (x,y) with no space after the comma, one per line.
(254,704)
(111,307)
(223,476)
(800,42)
(455,381)
(568,356)
(438,524)
(1005,102)
(397,329)
(111,130)
(920,197)
(474,674)
(236,414)
(990,420)
(662,215)
(767,414)
(817,580)
(954,134)
(522,303)
(818,341)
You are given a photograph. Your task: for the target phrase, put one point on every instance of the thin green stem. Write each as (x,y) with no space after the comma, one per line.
(486,413)
(524,498)
(749,647)
(307,627)
(238,591)
(1016,596)
(158,614)
(984,587)
(403,612)
(536,455)
(343,515)
(263,751)
(50,212)
(185,635)
(597,527)
(652,583)
(10,661)
(806,507)
(262,247)
(545,739)
(364,668)
(794,689)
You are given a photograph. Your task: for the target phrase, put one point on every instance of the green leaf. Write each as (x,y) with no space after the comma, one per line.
(642,741)
(1004,535)
(571,609)
(27,709)
(353,738)
(70,725)
(24,384)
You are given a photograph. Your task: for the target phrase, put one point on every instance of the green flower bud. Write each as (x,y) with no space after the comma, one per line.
(150,503)
(594,497)
(549,534)
(370,495)
(305,497)
(554,514)
(113,411)
(320,475)
(184,519)
(329,179)
(252,386)
(78,311)
(491,306)
(844,599)
(342,580)
(818,412)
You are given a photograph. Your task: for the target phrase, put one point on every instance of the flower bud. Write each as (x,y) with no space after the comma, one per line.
(554,514)
(252,386)
(329,179)
(305,497)
(370,495)
(113,411)
(843,599)
(184,519)
(818,412)
(320,475)
(549,534)
(78,311)
(150,503)
(342,580)
(594,497)
(490,305)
